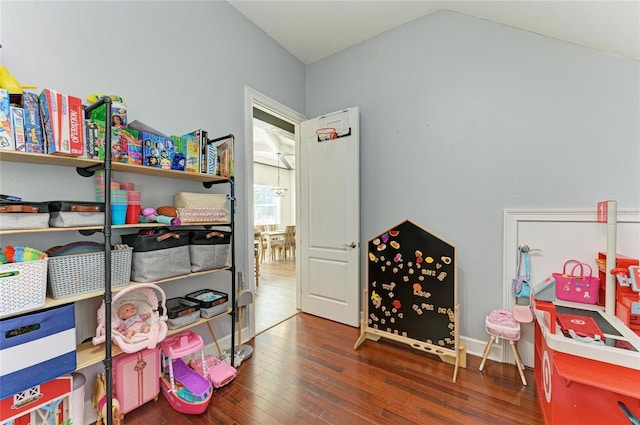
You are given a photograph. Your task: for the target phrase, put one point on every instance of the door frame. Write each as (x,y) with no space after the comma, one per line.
(253,98)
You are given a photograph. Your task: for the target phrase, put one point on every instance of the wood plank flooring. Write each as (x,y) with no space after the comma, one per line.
(305,371)
(275,297)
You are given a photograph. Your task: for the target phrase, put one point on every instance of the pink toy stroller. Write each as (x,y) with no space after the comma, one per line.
(136,323)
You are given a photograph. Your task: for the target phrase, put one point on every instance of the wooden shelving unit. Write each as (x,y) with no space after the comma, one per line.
(88,354)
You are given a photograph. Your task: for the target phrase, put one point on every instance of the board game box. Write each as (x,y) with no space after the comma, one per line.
(192,160)
(180,154)
(158,151)
(17,122)
(6,132)
(32,123)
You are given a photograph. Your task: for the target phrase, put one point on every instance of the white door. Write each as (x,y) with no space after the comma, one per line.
(329,225)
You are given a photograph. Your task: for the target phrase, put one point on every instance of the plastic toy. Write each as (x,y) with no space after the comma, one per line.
(628,296)
(18,254)
(145,299)
(628,278)
(99,399)
(150,214)
(184,388)
(132,322)
(97,96)
(10,83)
(220,373)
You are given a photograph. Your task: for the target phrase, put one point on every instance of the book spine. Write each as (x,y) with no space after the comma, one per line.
(17,122)
(49,115)
(76,126)
(6,133)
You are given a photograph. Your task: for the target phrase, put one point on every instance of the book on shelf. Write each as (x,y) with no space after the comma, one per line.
(225,158)
(192,153)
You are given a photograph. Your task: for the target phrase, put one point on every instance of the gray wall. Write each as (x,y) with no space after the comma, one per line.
(462,118)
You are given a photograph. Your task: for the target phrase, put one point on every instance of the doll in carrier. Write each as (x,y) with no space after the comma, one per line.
(136,322)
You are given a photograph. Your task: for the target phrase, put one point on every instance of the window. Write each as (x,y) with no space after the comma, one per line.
(266,207)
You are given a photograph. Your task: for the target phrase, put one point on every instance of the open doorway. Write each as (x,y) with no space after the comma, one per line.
(273,138)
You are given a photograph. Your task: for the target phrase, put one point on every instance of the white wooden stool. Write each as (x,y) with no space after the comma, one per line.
(509,333)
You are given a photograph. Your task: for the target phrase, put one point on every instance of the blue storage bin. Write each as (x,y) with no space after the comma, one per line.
(35,348)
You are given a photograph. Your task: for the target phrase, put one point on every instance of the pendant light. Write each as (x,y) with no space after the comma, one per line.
(278,190)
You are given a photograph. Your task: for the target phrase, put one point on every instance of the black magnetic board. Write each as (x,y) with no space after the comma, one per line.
(412,285)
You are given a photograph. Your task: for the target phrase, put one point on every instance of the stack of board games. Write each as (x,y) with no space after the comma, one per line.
(63,123)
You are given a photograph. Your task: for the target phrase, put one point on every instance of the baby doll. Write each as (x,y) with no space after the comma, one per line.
(132,322)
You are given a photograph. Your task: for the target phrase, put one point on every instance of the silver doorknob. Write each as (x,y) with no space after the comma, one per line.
(351,245)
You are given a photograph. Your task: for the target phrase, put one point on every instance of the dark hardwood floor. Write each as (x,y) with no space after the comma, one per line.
(305,371)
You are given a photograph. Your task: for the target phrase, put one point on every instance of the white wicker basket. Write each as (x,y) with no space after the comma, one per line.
(71,275)
(23,286)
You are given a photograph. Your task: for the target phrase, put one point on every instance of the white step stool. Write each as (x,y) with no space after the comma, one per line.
(511,334)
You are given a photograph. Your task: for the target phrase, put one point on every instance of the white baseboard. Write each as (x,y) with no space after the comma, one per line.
(476,347)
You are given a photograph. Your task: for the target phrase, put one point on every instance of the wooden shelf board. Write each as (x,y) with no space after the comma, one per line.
(71,161)
(43,159)
(99,228)
(50,302)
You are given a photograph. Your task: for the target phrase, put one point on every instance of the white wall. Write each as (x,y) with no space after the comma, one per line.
(462,118)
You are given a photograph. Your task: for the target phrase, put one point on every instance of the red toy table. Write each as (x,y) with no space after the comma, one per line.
(579,383)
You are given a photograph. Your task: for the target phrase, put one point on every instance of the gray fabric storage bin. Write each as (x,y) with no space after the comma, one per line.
(75,219)
(160,255)
(15,221)
(76,213)
(206,313)
(209,249)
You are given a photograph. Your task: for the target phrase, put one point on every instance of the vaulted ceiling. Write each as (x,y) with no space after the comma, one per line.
(313,30)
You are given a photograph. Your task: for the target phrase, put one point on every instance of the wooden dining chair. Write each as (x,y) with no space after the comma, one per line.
(289,245)
(262,241)
(277,247)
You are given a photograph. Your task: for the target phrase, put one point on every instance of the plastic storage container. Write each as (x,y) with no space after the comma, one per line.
(181,312)
(211,302)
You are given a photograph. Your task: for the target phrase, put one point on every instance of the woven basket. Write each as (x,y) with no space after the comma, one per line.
(71,275)
(23,286)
